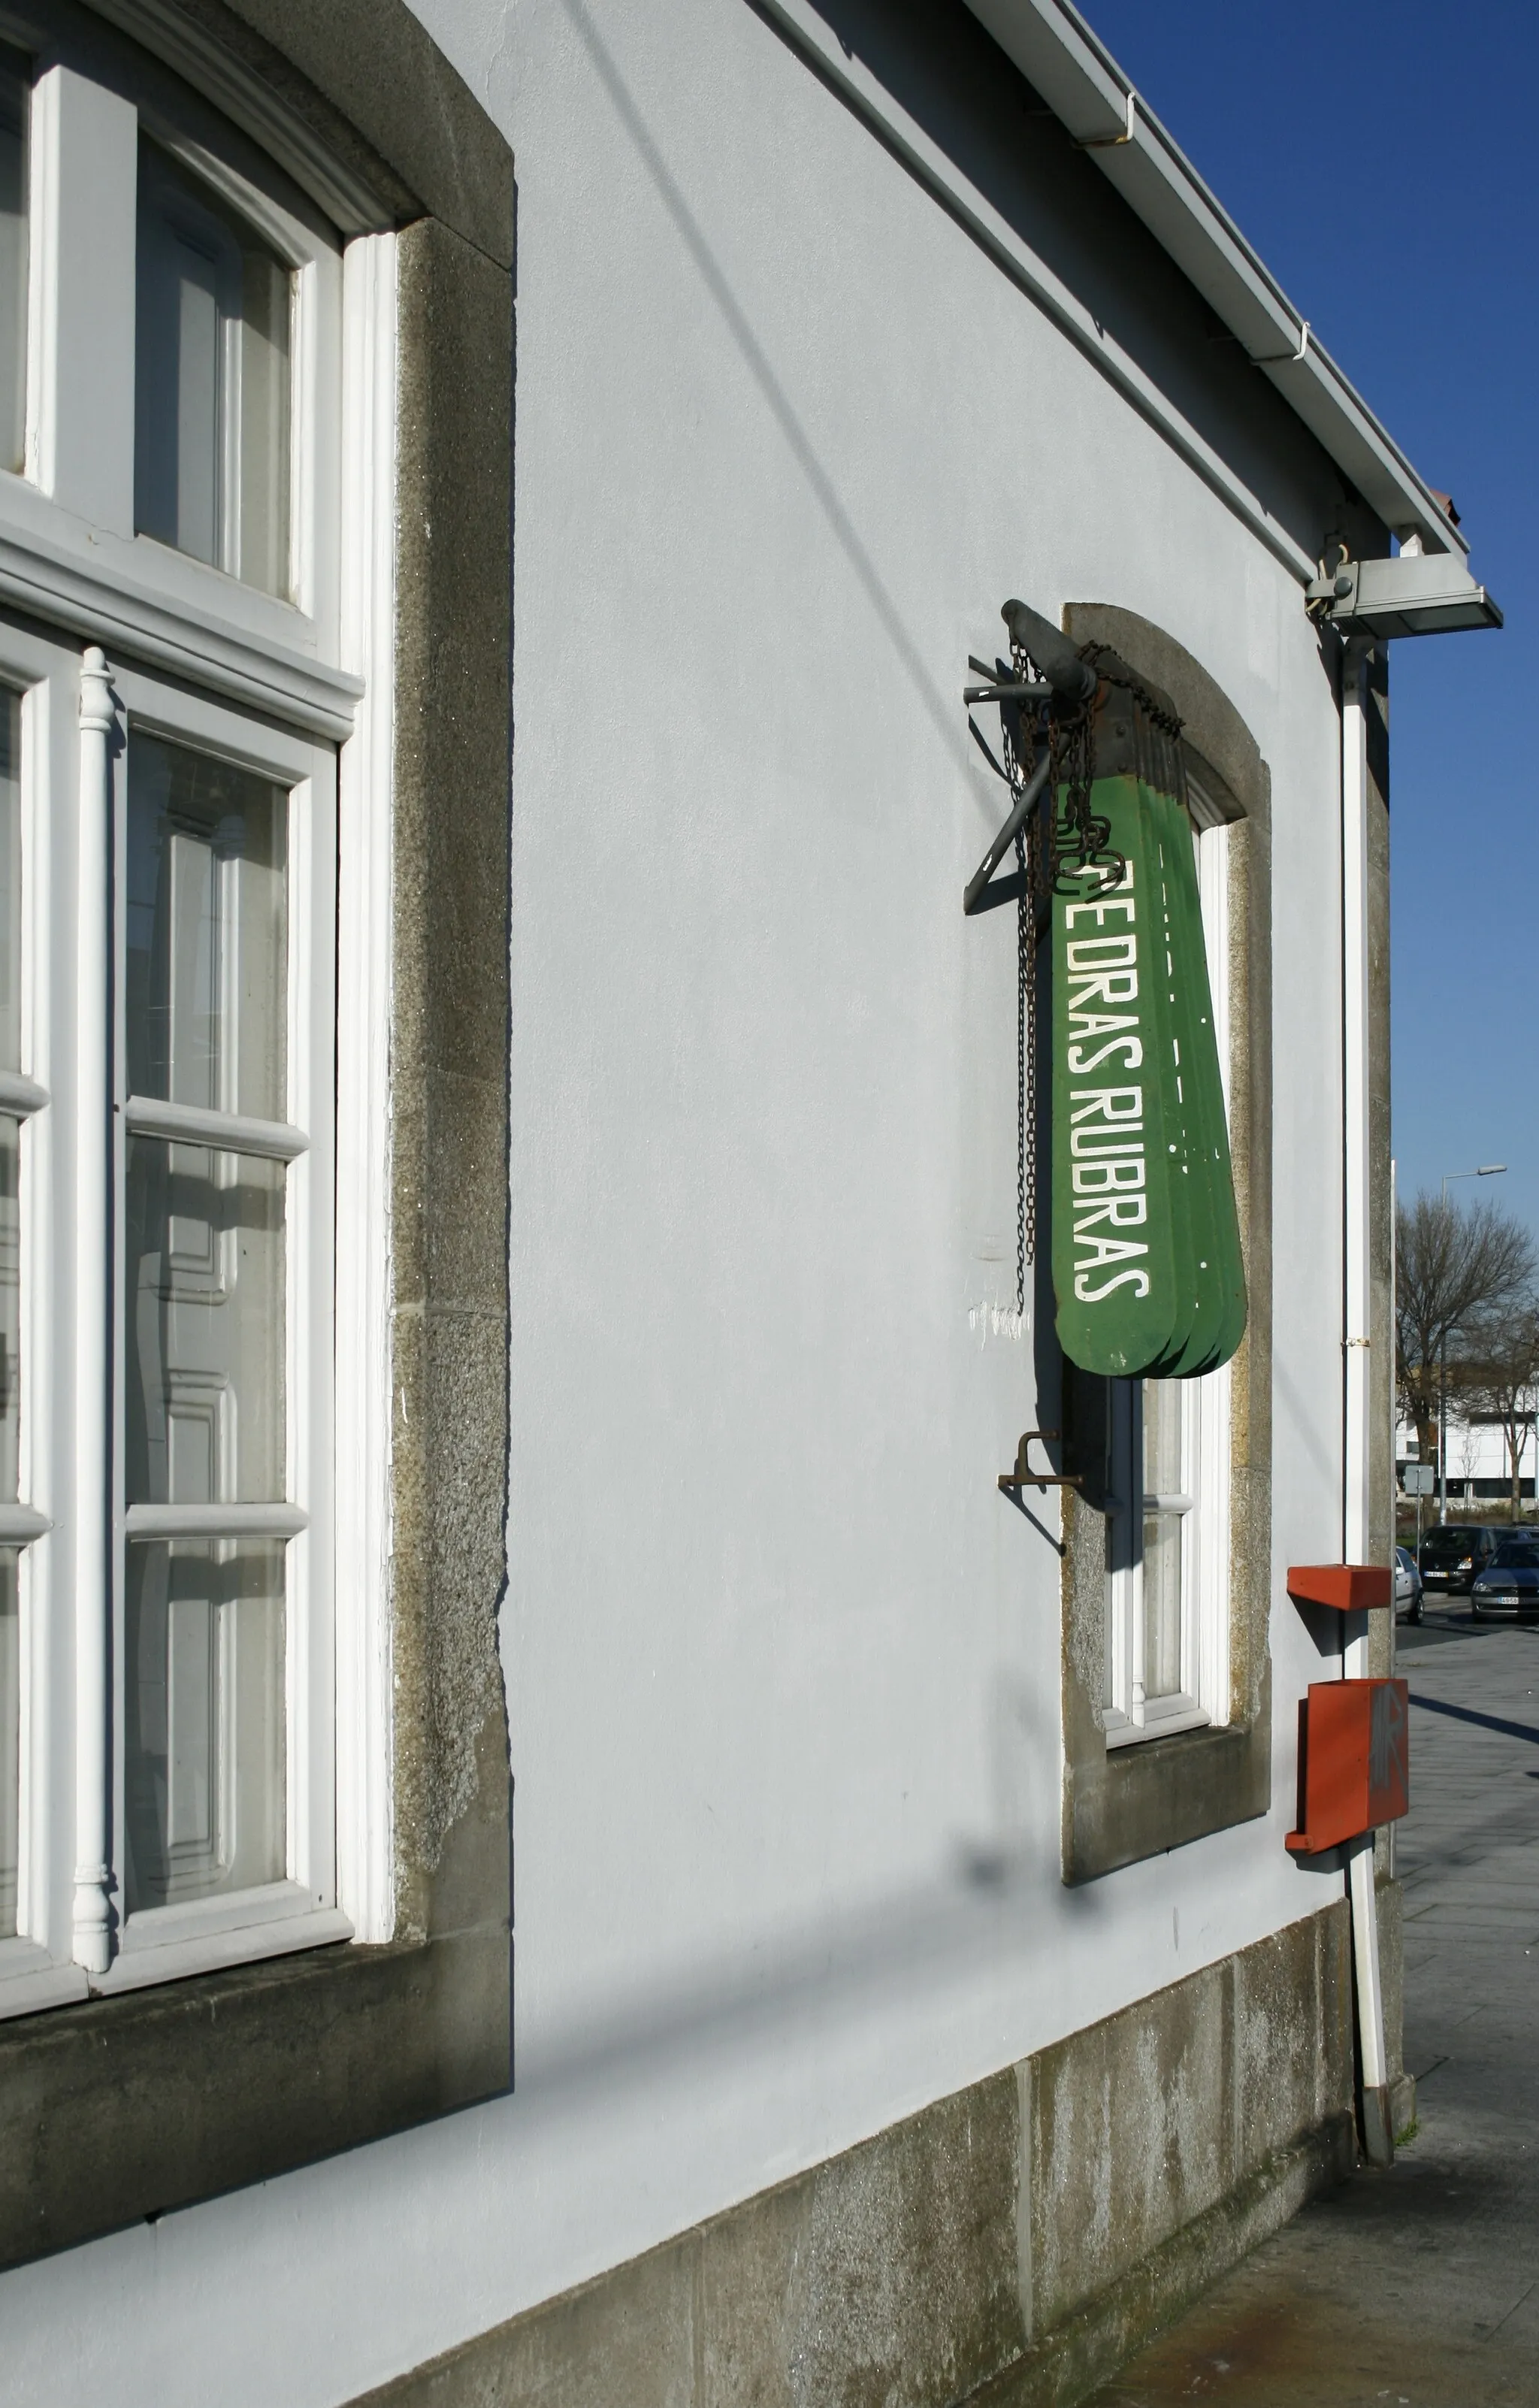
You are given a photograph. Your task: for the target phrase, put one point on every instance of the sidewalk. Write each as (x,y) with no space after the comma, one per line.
(1418,2287)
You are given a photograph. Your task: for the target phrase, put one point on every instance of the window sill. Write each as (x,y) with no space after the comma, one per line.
(168,1943)
(1125,1804)
(1161,1721)
(30,1978)
(128,2106)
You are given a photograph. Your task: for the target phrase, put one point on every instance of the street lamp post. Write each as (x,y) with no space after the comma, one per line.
(1485,1170)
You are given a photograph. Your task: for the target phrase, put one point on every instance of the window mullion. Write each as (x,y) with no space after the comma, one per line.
(36,1090)
(310,1340)
(94,1384)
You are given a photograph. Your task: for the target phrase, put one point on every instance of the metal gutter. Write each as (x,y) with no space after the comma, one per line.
(1056,50)
(800,23)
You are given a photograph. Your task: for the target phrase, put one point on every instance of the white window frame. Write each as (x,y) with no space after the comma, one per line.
(1129,1714)
(36,1967)
(155,1943)
(69,552)
(302,692)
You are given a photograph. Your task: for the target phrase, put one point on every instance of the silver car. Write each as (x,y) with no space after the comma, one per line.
(1510,1581)
(1408,1586)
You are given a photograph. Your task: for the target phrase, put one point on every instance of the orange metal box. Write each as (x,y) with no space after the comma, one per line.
(1353,1761)
(1350,1588)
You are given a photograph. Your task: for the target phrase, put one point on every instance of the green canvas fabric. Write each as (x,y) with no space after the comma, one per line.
(1167,969)
(1205,1179)
(1146,1269)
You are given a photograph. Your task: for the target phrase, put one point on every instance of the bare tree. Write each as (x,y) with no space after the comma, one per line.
(1499,1373)
(1454,1268)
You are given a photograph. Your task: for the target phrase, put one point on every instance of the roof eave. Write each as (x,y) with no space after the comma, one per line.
(1059,55)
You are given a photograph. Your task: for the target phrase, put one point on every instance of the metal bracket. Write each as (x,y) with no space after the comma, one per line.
(1111,141)
(1007,690)
(1065,679)
(1026,1476)
(979,895)
(1417,594)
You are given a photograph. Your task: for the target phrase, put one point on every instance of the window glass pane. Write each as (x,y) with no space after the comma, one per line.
(1163,1439)
(10,1307)
(266,307)
(10,1732)
(205,1760)
(1162,1604)
(1161,1666)
(206,927)
(203,1341)
(10,881)
(212,401)
(15,101)
(1123,1439)
(10,1059)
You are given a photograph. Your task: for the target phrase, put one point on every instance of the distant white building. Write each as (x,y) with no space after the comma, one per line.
(1479,1465)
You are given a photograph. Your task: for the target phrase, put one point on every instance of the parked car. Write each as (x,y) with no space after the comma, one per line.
(1510,1581)
(1455,1555)
(1408,1586)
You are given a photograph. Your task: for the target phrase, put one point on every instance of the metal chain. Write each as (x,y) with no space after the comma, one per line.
(1166,721)
(1029,856)
(1081,838)
(1025,1074)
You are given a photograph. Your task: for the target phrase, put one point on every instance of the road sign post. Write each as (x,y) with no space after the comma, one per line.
(1421,1480)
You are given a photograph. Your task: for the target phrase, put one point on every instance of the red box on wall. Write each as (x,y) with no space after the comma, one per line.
(1349,1588)
(1353,1761)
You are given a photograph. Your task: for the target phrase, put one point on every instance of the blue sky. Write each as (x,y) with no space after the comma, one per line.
(1381,160)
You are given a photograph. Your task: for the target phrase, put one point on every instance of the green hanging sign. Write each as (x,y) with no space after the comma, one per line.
(1219,1308)
(1146,1247)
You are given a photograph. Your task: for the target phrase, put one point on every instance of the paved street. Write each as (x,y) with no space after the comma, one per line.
(1419,2288)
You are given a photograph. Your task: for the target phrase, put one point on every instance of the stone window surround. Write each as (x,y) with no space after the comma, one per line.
(1121,1805)
(122,2108)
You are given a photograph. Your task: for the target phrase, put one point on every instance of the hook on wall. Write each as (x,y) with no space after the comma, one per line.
(1026,1475)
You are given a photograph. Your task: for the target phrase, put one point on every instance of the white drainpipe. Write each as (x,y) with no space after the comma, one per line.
(1356,1421)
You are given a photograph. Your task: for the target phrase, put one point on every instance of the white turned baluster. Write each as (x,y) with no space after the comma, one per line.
(93,1336)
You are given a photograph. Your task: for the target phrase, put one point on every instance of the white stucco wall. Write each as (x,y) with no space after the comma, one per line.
(782,1662)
